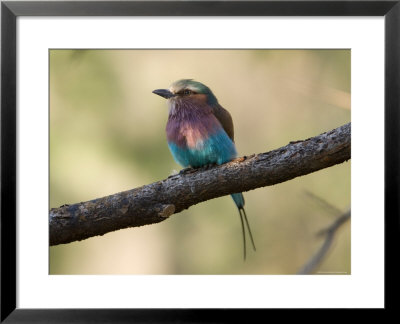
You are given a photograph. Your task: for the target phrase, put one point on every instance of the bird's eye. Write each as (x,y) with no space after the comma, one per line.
(187,92)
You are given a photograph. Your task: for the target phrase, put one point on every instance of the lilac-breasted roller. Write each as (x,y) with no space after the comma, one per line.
(200,132)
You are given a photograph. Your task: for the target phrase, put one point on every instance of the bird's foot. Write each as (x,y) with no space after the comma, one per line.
(194,169)
(187,170)
(208,166)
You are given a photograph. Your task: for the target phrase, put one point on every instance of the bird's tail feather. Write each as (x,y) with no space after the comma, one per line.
(239,201)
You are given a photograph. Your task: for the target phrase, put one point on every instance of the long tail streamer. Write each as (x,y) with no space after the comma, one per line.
(243,216)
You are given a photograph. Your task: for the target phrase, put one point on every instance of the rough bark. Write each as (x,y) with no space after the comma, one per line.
(155,202)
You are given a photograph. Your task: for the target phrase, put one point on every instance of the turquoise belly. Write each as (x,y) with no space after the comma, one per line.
(216,149)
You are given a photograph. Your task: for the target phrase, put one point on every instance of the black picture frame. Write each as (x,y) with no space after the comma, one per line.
(10,10)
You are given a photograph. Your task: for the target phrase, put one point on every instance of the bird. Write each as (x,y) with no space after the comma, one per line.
(200,133)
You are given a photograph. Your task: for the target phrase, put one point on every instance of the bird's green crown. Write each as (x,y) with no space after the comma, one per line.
(179,87)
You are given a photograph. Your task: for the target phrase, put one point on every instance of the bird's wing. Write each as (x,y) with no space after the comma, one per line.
(224,117)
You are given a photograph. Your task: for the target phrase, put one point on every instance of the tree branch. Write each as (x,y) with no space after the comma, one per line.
(155,202)
(329,233)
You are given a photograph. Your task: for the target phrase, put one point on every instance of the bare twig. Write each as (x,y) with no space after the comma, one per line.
(155,202)
(326,205)
(329,233)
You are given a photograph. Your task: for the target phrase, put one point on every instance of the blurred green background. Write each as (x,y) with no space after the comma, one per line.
(107,134)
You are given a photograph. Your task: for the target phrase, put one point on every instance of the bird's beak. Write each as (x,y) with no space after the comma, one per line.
(165,93)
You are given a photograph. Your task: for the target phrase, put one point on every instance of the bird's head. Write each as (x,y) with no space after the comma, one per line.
(188,90)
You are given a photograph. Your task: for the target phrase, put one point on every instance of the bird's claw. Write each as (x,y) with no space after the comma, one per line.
(187,170)
(191,169)
(208,166)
